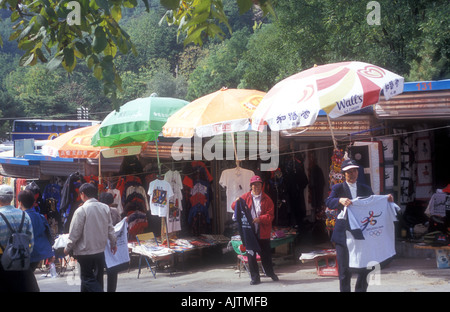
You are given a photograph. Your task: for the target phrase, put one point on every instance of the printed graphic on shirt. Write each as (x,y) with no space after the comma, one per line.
(159,197)
(370,220)
(374,217)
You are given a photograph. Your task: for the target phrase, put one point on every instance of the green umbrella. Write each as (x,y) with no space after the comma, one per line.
(140,120)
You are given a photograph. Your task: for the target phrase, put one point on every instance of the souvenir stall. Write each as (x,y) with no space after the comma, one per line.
(183,193)
(234,181)
(416,148)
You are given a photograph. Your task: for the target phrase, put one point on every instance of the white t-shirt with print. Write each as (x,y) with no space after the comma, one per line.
(375,217)
(237,183)
(175,202)
(160,192)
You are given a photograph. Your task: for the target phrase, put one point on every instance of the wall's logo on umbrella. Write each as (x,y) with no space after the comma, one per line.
(372,71)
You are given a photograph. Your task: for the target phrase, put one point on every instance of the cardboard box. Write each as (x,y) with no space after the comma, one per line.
(442,258)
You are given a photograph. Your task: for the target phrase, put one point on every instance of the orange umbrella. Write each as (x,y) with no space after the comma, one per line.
(223,111)
(77,144)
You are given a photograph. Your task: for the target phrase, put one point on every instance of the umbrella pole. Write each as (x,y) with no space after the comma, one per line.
(165,231)
(332,132)
(157,157)
(163,219)
(99,169)
(234,148)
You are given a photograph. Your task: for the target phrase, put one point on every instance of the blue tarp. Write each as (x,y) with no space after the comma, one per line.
(32,159)
(426,86)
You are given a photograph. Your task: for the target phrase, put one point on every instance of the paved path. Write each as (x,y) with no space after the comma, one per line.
(401,275)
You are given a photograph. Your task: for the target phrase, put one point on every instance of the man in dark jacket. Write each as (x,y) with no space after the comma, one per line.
(341,196)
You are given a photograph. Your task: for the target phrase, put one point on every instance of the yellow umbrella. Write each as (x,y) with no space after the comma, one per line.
(77,144)
(223,111)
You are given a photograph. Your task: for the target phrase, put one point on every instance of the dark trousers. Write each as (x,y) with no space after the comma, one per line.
(17,281)
(111,278)
(345,273)
(266,260)
(91,272)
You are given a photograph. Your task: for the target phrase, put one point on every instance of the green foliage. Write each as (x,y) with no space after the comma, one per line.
(56,33)
(63,32)
(209,45)
(198,20)
(267,59)
(220,68)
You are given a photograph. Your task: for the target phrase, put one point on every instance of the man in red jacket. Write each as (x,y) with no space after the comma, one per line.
(262,211)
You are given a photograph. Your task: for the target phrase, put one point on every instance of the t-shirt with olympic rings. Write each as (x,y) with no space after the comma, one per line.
(374,218)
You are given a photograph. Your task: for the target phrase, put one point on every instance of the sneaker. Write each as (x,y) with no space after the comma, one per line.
(255,282)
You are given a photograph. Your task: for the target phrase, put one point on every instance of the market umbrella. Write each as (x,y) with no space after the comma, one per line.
(337,89)
(223,111)
(77,144)
(139,120)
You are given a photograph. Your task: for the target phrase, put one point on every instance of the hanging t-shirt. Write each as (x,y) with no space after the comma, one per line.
(117,199)
(160,192)
(372,236)
(175,202)
(237,183)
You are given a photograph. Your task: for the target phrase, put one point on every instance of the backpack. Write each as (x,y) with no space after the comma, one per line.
(16,254)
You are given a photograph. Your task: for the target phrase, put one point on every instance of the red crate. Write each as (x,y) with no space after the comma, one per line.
(327,265)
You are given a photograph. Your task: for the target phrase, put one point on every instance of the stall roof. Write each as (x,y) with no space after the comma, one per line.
(34,166)
(18,161)
(29,159)
(424,86)
(20,171)
(421,99)
(39,157)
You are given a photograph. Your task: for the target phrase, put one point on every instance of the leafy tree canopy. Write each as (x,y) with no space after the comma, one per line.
(63,32)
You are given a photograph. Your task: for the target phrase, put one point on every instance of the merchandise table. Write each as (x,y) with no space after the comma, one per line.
(178,248)
(288,239)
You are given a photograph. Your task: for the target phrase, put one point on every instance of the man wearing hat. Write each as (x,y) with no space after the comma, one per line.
(341,196)
(262,211)
(14,281)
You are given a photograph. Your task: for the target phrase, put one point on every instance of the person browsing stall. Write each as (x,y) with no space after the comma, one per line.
(90,229)
(262,213)
(41,230)
(14,281)
(112,274)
